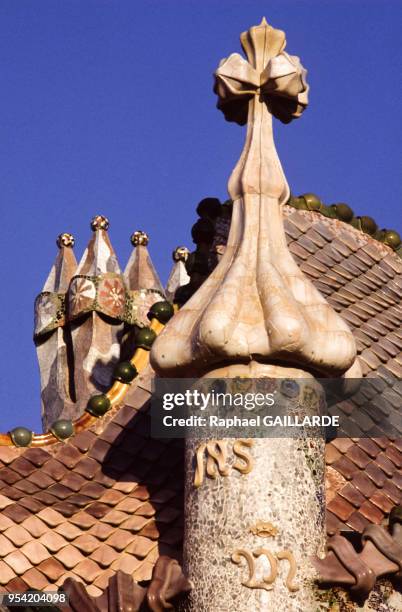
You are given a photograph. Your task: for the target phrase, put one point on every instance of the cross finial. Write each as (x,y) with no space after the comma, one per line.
(257,305)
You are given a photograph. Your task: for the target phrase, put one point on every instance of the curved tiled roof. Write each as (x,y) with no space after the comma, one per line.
(110,498)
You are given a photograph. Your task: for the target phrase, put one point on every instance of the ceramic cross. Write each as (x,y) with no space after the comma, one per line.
(270,83)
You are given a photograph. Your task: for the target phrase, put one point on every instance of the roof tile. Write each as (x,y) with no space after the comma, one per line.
(9,453)
(88,570)
(6,573)
(16,513)
(68,455)
(392,491)
(376,474)
(385,464)
(51,517)
(74,481)
(86,543)
(5,545)
(120,539)
(395,456)
(68,531)
(84,440)
(26,487)
(352,495)
(134,523)
(52,541)
(140,547)
(369,446)
(150,530)
(104,555)
(83,520)
(9,476)
(357,522)
(37,456)
(52,568)
(18,562)
(126,563)
(340,507)
(17,585)
(358,456)
(382,501)
(371,512)
(65,508)
(59,490)
(363,483)
(101,531)
(100,450)
(69,556)
(35,579)
(23,467)
(4,501)
(17,535)
(54,469)
(115,518)
(345,467)
(35,526)
(97,510)
(35,552)
(87,467)
(93,490)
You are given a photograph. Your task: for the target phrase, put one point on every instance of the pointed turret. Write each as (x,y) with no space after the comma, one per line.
(96,302)
(53,341)
(142,281)
(178,276)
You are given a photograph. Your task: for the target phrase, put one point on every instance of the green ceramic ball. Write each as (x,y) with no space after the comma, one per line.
(125,372)
(368,225)
(144,338)
(163,311)
(313,202)
(392,239)
(21,436)
(343,212)
(209,207)
(98,405)
(62,429)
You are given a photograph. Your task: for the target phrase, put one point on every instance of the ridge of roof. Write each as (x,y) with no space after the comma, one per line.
(210,209)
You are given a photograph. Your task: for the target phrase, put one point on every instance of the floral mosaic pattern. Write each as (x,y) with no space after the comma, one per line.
(112,297)
(82,295)
(49,312)
(138,304)
(105,294)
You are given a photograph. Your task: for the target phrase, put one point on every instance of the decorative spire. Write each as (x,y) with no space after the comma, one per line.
(97,301)
(178,276)
(257,304)
(53,343)
(142,281)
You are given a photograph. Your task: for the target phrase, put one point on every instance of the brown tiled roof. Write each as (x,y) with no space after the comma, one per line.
(110,498)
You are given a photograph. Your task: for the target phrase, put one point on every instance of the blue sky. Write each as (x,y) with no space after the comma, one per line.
(107,107)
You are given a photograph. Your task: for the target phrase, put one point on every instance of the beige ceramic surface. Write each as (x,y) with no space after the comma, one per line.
(257,303)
